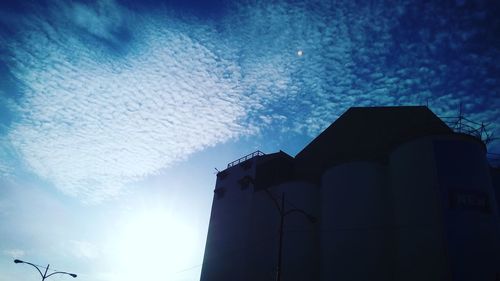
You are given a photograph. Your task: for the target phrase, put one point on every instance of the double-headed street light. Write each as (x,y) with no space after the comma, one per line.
(44,275)
(283,212)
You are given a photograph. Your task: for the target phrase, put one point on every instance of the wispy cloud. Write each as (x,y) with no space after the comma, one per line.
(4,170)
(103,19)
(90,124)
(8,160)
(14,253)
(83,249)
(91,120)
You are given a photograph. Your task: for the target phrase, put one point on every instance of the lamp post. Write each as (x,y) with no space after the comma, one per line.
(44,275)
(283,213)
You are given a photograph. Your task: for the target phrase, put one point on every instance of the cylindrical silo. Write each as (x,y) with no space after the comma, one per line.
(445,210)
(225,254)
(355,213)
(418,240)
(469,207)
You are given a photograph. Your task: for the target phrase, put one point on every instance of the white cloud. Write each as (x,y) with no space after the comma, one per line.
(102,19)
(91,124)
(83,249)
(4,170)
(92,120)
(7,162)
(14,253)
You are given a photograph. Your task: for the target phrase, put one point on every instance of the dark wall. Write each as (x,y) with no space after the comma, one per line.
(495,178)
(273,170)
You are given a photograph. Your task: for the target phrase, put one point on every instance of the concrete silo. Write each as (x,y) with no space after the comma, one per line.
(394,193)
(446,216)
(355,222)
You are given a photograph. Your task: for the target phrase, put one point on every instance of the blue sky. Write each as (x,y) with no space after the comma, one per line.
(113,114)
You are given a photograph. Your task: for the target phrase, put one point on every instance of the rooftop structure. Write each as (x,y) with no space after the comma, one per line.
(395,193)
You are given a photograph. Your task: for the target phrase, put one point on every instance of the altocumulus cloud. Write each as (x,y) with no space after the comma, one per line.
(94,117)
(374,54)
(103,20)
(90,123)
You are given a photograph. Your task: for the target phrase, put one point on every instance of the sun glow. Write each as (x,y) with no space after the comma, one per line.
(154,245)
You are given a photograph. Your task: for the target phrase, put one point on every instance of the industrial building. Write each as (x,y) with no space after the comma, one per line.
(384,193)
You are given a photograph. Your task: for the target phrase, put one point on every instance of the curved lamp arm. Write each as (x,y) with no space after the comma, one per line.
(311,218)
(61,272)
(43,275)
(39,271)
(275,201)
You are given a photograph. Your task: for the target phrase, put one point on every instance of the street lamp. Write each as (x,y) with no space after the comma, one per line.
(283,213)
(44,275)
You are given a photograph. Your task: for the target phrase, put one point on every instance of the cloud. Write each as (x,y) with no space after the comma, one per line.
(83,249)
(14,253)
(91,120)
(103,19)
(91,124)
(8,159)
(4,170)
(367,56)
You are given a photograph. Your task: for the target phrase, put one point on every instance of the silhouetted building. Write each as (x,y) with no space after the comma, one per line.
(397,195)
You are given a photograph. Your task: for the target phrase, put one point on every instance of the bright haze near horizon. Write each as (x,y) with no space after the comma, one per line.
(114,114)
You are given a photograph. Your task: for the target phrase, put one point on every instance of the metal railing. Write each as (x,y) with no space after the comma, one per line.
(463,125)
(245,158)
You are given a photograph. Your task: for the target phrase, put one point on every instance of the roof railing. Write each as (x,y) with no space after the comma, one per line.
(461,124)
(245,158)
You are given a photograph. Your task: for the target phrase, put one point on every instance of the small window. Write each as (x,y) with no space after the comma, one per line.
(219,192)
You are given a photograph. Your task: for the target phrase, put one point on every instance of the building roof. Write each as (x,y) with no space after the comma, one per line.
(368,133)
